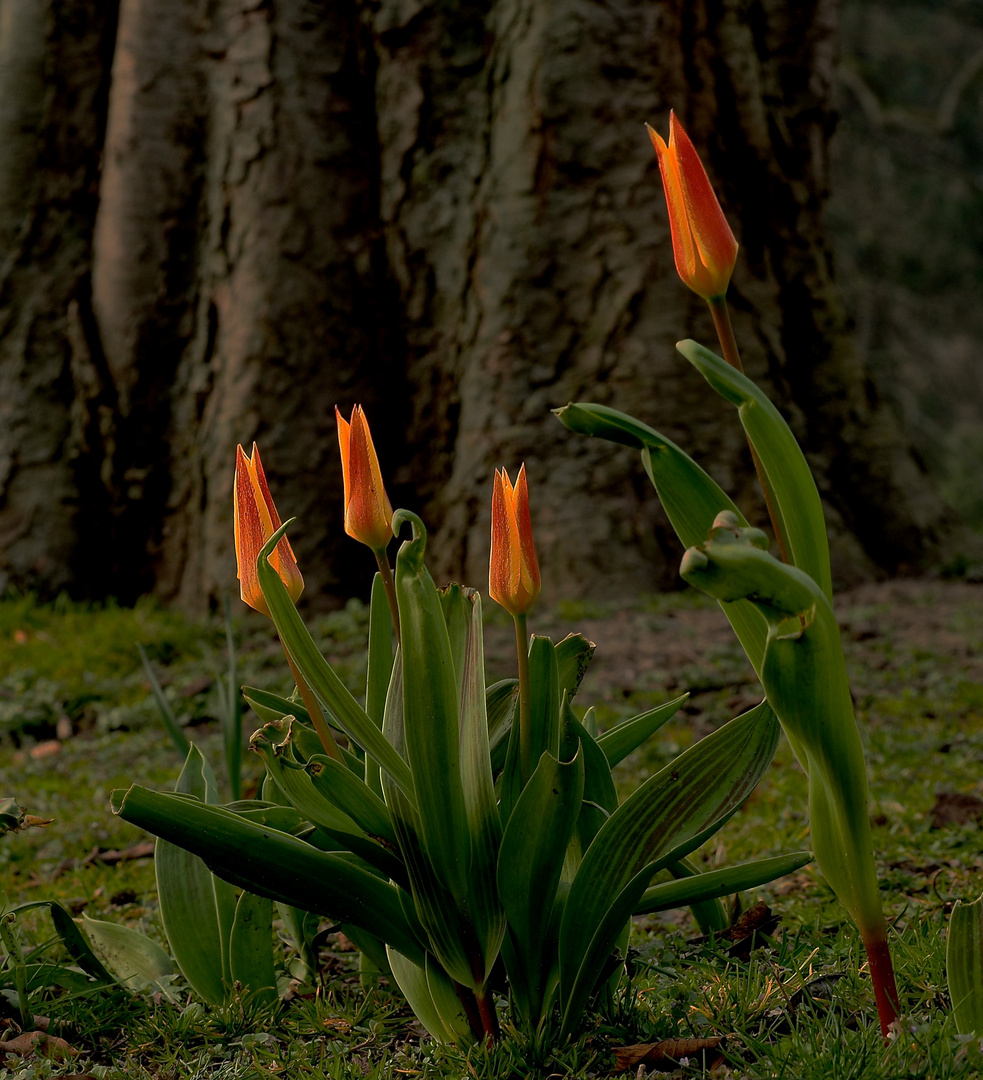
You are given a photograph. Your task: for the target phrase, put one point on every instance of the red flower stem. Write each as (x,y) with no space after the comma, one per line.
(728,345)
(470,1005)
(725,332)
(882,976)
(489,1016)
(317,717)
(389,585)
(525,699)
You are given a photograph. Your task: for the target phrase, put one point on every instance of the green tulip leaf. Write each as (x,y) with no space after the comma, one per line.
(431,703)
(501,700)
(789,476)
(138,962)
(701,887)
(196,908)
(689,495)
(251,950)
(339,786)
(431,903)
(481,808)
(618,742)
(529,866)
(805,680)
(964,966)
(271,708)
(330,691)
(75,942)
(423,987)
(273,864)
(378,670)
(320,801)
(600,796)
(573,657)
(689,798)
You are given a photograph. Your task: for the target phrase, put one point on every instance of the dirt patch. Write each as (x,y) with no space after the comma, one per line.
(909,632)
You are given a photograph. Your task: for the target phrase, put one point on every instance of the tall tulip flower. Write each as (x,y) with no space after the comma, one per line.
(513,573)
(256,520)
(513,582)
(368,515)
(702,242)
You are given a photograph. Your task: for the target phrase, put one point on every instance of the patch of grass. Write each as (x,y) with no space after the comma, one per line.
(919,707)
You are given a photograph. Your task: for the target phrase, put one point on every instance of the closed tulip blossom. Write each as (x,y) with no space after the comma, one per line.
(256,520)
(702,242)
(368,514)
(513,573)
(513,582)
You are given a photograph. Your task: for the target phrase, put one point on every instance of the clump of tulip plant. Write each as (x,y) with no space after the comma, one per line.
(468,838)
(780,608)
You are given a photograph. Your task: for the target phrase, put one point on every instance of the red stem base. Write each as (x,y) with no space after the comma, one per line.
(885,988)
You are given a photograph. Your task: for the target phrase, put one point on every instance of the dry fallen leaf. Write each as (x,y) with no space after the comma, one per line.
(666,1055)
(37,1042)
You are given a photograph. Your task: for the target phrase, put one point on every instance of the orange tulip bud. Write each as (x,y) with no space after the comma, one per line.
(256,520)
(368,515)
(513,573)
(702,242)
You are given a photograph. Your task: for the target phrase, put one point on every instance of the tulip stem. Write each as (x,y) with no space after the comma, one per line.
(317,717)
(728,346)
(882,976)
(525,699)
(489,1016)
(470,1005)
(725,332)
(385,572)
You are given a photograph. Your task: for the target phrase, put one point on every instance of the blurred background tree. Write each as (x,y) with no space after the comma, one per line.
(221,217)
(906,220)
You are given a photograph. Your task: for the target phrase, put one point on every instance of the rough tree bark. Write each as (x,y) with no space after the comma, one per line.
(448,211)
(528,232)
(54,421)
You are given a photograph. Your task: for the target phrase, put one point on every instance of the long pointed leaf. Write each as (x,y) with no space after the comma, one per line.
(481,808)
(785,465)
(272,863)
(431,902)
(431,703)
(330,691)
(137,960)
(378,670)
(690,497)
(964,966)
(618,742)
(196,908)
(321,803)
(573,657)
(714,883)
(805,679)
(252,950)
(529,867)
(442,1021)
(697,790)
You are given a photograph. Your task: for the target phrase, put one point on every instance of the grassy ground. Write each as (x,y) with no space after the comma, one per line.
(77,721)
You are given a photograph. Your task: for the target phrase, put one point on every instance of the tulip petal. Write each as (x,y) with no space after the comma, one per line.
(368,513)
(702,242)
(513,572)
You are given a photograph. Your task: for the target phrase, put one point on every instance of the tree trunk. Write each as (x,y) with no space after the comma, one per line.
(55,422)
(452,214)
